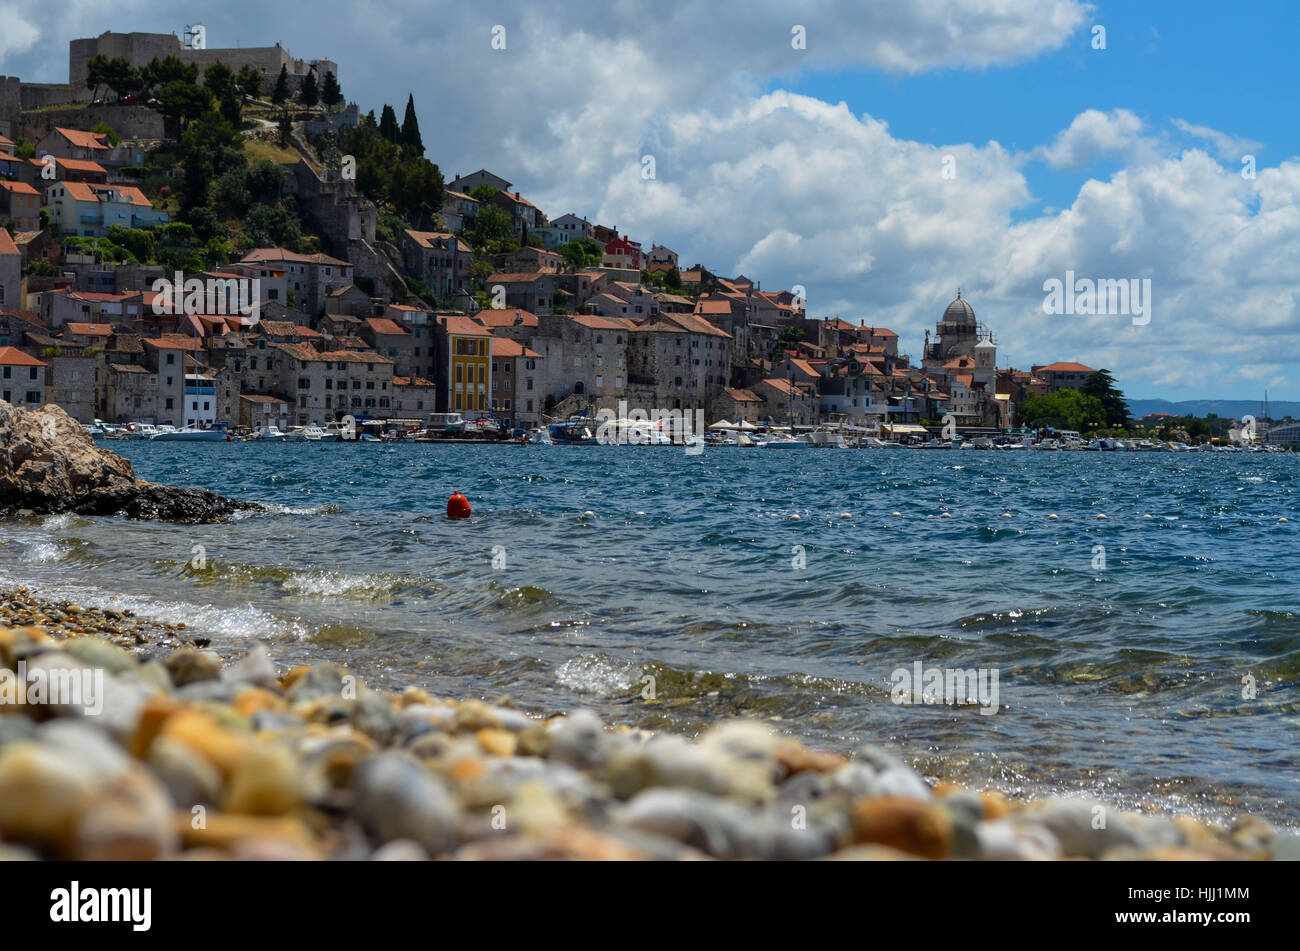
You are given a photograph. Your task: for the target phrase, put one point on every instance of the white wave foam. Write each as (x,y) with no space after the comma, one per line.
(593,673)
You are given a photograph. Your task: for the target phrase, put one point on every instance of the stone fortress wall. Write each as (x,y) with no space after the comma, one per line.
(17,96)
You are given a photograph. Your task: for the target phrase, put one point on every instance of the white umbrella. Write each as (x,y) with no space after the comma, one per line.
(723,424)
(746,424)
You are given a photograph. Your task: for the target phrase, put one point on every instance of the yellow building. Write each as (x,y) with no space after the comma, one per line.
(464,381)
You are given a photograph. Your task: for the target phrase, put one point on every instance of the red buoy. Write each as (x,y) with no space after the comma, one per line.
(457,506)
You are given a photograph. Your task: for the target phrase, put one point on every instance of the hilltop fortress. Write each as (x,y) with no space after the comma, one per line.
(17,97)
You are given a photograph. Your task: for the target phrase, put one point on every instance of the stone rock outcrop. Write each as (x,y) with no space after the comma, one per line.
(49,463)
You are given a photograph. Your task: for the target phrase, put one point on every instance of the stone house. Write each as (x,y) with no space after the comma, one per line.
(439,259)
(22,378)
(515,377)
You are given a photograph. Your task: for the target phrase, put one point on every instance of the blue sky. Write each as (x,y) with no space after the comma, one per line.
(1236,72)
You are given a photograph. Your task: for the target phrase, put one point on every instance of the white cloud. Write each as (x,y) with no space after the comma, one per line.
(1227,147)
(1093,135)
(18,35)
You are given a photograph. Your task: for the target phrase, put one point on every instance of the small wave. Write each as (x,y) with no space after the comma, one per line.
(597,674)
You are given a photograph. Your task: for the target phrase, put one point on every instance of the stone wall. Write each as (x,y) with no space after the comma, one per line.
(128,121)
(140,48)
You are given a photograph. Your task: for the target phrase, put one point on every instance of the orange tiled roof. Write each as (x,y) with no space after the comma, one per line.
(84,140)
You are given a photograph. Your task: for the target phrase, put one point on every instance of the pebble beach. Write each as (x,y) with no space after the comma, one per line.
(192,755)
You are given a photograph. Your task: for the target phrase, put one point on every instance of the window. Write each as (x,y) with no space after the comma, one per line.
(329,385)
(169,402)
(171,358)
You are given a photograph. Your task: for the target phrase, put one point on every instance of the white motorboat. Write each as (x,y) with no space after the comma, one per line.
(539,436)
(314,433)
(267,434)
(783,441)
(190,434)
(826,438)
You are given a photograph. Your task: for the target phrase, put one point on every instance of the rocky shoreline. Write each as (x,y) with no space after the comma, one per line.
(181,753)
(49,464)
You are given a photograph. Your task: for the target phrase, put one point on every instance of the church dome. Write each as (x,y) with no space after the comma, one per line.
(959,311)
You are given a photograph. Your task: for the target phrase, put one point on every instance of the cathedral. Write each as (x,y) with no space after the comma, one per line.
(963,356)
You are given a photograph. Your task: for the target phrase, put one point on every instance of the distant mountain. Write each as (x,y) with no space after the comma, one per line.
(1226,409)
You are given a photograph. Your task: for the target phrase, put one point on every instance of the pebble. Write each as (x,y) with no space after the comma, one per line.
(1085,829)
(190,761)
(188,666)
(917,828)
(397,798)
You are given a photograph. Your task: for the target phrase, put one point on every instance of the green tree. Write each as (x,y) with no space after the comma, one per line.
(103,128)
(673,280)
(184,102)
(482,193)
(121,77)
(493,229)
(1064,409)
(411,127)
(139,241)
(789,337)
(96,70)
(280,93)
(231,194)
(388,124)
(157,73)
(220,78)
(330,92)
(266,181)
(1102,386)
(416,190)
(308,93)
(249,82)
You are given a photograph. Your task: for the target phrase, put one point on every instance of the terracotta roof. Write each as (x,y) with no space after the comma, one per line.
(785,386)
(382,325)
(695,324)
(353,356)
(127,368)
(76,165)
(743,396)
(505,347)
(89,330)
(83,191)
(462,325)
(174,342)
(506,317)
(1065,367)
(518,277)
(84,140)
(12,356)
(262,255)
(426,239)
(18,188)
(7,245)
(597,323)
(260,398)
(412,381)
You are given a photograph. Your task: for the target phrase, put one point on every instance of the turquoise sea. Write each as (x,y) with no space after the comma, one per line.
(1149,658)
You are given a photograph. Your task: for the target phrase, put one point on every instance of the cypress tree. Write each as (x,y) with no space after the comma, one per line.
(309,95)
(388,124)
(281,91)
(411,128)
(330,92)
